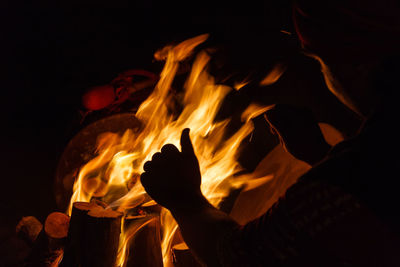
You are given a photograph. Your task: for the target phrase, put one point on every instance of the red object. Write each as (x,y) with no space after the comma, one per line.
(99,97)
(110,96)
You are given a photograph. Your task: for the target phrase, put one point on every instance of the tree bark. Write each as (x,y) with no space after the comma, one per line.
(93,236)
(145,247)
(182,256)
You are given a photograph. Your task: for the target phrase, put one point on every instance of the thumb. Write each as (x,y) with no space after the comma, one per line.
(186,143)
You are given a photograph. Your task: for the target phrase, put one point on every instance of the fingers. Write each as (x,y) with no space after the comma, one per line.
(156,157)
(147,166)
(186,143)
(169,149)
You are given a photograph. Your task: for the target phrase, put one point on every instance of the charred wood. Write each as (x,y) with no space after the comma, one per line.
(93,236)
(182,256)
(145,247)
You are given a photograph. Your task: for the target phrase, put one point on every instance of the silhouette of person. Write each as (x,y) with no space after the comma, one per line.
(344,211)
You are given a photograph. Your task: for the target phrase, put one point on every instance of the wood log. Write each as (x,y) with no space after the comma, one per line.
(29,229)
(151,207)
(56,229)
(42,254)
(145,247)
(74,245)
(182,256)
(93,236)
(48,247)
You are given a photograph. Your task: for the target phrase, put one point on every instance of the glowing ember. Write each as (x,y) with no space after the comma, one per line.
(114,172)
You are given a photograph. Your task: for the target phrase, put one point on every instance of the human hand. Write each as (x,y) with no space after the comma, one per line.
(299,132)
(172,177)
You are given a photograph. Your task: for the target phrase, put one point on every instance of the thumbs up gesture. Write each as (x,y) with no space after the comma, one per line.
(172,177)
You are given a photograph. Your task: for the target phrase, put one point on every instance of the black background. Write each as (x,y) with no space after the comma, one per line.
(52,52)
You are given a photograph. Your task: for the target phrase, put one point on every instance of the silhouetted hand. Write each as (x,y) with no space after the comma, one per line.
(172,177)
(299,132)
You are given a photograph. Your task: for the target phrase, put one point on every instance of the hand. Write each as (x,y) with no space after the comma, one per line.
(172,177)
(299,132)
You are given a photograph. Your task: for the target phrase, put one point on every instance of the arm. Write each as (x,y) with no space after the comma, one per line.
(179,191)
(172,178)
(202,229)
(315,223)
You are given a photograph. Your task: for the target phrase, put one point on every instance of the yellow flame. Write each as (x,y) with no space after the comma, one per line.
(120,158)
(240,85)
(254,110)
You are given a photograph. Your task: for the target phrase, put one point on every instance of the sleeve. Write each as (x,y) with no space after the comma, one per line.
(285,235)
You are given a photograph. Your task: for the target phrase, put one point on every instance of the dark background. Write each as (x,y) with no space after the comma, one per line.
(52,52)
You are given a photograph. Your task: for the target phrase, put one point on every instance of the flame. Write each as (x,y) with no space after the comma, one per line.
(273,76)
(120,159)
(127,236)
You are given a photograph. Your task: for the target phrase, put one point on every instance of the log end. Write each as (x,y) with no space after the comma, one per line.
(56,225)
(29,228)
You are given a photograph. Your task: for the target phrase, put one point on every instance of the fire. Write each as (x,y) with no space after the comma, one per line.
(113,173)
(273,76)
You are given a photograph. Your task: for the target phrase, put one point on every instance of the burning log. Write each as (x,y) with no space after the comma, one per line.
(83,147)
(93,236)
(145,248)
(96,187)
(182,256)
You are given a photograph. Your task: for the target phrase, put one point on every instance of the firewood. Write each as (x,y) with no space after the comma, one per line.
(28,229)
(93,236)
(182,256)
(48,247)
(56,229)
(42,254)
(151,207)
(145,247)
(74,246)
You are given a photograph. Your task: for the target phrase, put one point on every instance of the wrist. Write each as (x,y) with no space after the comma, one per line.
(190,204)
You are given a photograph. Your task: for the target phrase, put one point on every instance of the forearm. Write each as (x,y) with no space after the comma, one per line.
(202,225)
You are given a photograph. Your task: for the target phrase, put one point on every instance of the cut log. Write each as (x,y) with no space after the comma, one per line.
(48,247)
(93,236)
(102,237)
(74,247)
(151,207)
(182,256)
(29,228)
(56,229)
(145,247)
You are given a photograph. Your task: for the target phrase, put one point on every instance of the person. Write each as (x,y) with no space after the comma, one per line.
(343,212)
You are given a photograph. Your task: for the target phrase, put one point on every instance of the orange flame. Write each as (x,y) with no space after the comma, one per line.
(273,76)
(120,158)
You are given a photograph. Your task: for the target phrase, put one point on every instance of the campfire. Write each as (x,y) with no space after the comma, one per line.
(110,220)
